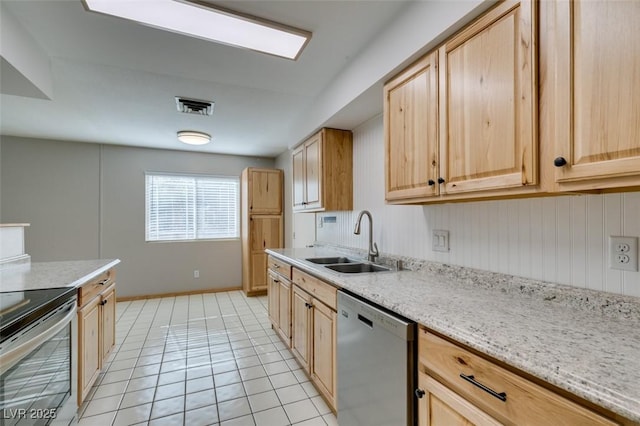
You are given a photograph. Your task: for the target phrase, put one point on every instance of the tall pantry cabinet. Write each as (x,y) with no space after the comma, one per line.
(261,224)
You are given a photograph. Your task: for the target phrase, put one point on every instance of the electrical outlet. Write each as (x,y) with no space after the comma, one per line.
(196,273)
(440,240)
(623,253)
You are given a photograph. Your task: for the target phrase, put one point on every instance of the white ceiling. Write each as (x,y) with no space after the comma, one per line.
(114,81)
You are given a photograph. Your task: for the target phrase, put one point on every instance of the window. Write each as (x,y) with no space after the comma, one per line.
(188,207)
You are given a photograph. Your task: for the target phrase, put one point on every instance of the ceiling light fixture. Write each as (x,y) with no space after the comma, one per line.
(204,21)
(191,137)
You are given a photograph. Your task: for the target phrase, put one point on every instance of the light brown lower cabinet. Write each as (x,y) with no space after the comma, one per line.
(300,324)
(441,406)
(259,232)
(313,341)
(89,347)
(323,363)
(458,387)
(313,331)
(96,330)
(279,304)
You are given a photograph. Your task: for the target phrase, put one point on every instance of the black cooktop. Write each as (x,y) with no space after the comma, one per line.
(18,309)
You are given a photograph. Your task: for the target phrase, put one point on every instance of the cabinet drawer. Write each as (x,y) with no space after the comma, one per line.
(525,403)
(277,265)
(322,291)
(96,286)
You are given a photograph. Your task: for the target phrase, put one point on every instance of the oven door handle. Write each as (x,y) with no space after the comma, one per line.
(16,353)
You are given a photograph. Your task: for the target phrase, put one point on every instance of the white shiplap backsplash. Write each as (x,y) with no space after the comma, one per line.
(557,239)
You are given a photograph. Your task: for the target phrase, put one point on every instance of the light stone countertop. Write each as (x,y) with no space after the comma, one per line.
(41,275)
(583,341)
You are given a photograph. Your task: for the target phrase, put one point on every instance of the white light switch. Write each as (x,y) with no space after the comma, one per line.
(440,240)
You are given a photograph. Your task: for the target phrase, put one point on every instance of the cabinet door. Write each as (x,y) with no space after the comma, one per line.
(258,275)
(284,305)
(440,406)
(108,321)
(411,137)
(298,179)
(265,187)
(273,297)
(597,93)
(488,107)
(88,347)
(264,232)
(324,350)
(313,172)
(300,323)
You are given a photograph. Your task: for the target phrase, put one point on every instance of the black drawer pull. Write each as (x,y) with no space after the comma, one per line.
(419,393)
(502,396)
(103,282)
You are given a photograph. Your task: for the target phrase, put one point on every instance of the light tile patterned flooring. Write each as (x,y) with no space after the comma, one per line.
(206,359)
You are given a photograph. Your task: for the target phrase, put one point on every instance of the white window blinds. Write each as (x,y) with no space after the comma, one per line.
(188,207)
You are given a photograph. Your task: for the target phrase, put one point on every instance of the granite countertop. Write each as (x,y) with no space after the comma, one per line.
(583,341)
(40,275)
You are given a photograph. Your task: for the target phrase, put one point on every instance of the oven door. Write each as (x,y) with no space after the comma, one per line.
(37,371)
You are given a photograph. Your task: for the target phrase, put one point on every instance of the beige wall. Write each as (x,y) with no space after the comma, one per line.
(86,201)
(54,186)
(283,161)
(558,239)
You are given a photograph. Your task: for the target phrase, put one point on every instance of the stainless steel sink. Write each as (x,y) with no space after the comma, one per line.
(330,260)
(356,268)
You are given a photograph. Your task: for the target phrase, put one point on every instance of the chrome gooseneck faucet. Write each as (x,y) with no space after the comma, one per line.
(373,247)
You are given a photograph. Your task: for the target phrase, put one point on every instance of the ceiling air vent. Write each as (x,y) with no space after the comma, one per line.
(194,106)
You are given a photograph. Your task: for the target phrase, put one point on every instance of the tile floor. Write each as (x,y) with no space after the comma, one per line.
(206,359)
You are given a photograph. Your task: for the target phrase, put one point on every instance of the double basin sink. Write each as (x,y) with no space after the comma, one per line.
(346,265)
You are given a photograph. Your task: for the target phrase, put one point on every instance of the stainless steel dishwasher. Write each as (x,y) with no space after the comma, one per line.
(376,365)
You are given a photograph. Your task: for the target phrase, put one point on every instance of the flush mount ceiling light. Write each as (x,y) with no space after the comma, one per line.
(191,137)
(204,21)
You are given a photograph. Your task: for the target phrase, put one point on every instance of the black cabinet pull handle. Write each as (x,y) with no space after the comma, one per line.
(308,305)
(419,393)
(103,282)
(431,182)
(440,180)
(502,396)
(276,281)
(560,162)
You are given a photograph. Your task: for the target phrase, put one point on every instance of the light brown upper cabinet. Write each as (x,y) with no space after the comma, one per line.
(411,132)
(488,110)
(323,172)
(593,83)
(461,123)
(265,187)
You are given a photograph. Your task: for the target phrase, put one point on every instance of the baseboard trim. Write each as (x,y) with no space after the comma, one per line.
(175,294)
